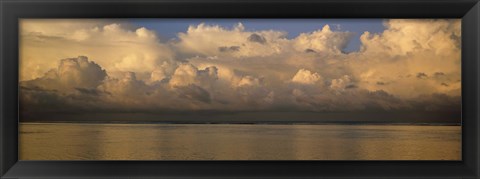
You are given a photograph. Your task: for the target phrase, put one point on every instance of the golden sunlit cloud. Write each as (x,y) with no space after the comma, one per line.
(101,65)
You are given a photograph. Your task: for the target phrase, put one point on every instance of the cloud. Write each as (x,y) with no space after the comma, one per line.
(115,45)
(404,36)
(194,93)
(342,83)
(324,40)
(257,38)
(210,67)
(229,49)
(304,76)
(422,75)
(71,73)
(407,55)
(237,40)
(187,74)
(248,81)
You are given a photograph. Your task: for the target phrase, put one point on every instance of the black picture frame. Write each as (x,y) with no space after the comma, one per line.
(12,10)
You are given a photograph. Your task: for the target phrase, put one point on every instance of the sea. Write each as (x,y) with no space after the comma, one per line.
(153,141)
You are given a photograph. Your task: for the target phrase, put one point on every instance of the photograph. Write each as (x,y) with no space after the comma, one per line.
(216,89)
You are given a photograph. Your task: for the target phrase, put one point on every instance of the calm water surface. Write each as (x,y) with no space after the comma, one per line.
(65,141)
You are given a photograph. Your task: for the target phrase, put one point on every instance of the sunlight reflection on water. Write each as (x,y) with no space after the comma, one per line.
(63,141)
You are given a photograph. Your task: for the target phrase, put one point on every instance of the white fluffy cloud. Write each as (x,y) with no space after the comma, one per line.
(324,40)
(116,46)
(234,42)
(411,58)
(306,77)
(411,64)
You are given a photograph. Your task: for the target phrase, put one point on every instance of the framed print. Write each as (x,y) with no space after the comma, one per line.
(216,89)
(240,89)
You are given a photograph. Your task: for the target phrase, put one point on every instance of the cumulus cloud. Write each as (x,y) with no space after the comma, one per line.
(407,55)
(236,41)
(324,40)
(71,73)
(248,81)
(413,65)
(187,74)
(342,83)
(115,45)
(306,77)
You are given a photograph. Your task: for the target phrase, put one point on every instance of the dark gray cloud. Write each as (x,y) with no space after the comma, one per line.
(351,86)
(422,75)
(194,93)
(229,49)
(310,50)
(79,85)
(437,102)
(257,38)
(439,74)
(86,91)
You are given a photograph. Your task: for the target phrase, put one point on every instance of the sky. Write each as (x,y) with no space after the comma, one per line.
(242,70)
(170,27)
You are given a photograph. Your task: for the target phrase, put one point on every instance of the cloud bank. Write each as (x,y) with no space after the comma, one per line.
(112,66)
